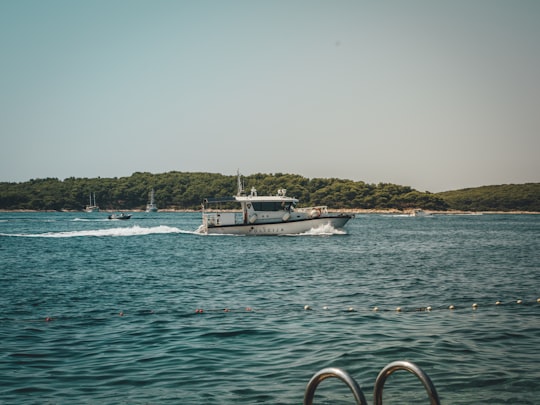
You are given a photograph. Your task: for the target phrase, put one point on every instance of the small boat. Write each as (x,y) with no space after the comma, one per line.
(119,216)
(419,213)
(151,206)
(92,207)
(267,215)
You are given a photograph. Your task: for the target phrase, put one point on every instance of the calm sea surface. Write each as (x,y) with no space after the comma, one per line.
(105,312)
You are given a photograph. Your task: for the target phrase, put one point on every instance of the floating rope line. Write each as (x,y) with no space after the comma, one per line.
(308,308)
(451,307)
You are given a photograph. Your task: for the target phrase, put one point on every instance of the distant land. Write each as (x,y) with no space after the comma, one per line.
(186,190)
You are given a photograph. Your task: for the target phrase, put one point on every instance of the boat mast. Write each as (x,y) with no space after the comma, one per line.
(240,185)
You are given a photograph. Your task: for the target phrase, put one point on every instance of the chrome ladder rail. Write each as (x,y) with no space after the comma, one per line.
(333,372)
(411,368)
(379,382)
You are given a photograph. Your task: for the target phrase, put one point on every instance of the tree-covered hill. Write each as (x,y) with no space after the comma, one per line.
(184,190)
(506,197)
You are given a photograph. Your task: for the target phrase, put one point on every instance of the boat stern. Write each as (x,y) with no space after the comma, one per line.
(214,219)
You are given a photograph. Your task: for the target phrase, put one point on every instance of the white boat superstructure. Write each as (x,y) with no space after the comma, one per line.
(151,206)
(92,207)
(267,215)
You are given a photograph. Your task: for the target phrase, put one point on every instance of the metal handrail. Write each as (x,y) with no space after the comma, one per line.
(410,367)
(379,382)
(333,372)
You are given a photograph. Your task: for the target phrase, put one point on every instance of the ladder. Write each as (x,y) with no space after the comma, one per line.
(379,382)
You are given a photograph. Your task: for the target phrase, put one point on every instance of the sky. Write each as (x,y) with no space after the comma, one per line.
(436,95)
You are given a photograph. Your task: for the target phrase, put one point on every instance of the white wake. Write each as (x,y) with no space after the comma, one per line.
(128,231)
(323,230)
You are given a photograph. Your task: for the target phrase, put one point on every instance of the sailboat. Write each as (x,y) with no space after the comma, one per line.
(92,207)
(151,206)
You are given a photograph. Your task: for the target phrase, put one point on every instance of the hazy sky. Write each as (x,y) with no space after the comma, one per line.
(437,95)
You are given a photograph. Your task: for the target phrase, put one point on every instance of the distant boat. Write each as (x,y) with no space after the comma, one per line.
(151,206)
(267,215)
(92,207)
(419,213)
(120,216)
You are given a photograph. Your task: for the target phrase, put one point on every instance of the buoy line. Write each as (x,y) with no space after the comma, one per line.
(475,306)
(451,307)
(325,308)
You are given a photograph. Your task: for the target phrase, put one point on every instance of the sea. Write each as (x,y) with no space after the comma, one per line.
(148,311)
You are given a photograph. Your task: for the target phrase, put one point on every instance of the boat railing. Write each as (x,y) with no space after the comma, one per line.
(322,209)
(379,382)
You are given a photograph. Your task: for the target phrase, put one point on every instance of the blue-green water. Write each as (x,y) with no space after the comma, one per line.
(98,311)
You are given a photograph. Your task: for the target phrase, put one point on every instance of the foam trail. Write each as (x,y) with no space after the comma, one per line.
(128,231)
(90,220)
(323,230)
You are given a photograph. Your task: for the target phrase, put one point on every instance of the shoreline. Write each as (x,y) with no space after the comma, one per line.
(359,211)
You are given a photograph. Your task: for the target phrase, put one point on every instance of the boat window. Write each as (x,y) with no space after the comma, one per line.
(267,206)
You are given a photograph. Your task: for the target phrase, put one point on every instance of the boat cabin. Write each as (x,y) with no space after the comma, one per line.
(253,208)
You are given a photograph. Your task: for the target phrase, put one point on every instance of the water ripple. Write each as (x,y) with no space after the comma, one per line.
(89,318)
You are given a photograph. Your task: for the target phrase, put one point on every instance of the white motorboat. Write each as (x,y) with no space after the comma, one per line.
(419,213)
(151,206)
(92,207)
(266,215)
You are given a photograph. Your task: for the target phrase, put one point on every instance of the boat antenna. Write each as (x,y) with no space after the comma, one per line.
(240,185)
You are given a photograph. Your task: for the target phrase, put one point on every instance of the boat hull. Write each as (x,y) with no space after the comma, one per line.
(279,228)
